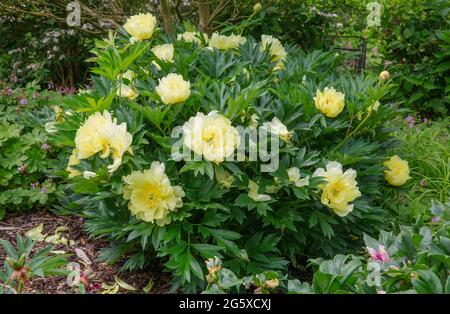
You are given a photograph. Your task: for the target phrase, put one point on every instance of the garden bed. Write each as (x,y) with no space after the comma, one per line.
(100,272)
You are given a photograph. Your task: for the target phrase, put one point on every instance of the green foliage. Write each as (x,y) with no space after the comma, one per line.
(425,146)
(27,151)
(223,280)
(417,262)
(251,237)
(418,51)
(21,265)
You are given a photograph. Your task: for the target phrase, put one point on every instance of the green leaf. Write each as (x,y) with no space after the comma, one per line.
(427,282)
(207,250)
(227,279)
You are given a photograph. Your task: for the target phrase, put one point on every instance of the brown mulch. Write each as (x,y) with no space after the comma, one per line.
(99,272)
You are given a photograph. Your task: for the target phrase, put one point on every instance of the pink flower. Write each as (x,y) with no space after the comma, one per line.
(435,219)
(410,120)
(381,255)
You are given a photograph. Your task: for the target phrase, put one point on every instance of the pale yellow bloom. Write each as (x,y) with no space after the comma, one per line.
(340,188)
(384,75)
(276,49)
(211,136)
(224,178)
(50,127)
(73,161)
(58,113)
(126,91)
(129,75)
(163,53)
(398,171)
(278,128)
(257,7)
(101,134)
(89,174)
(374,106)
(294,176)
(279,66)
(223,42)
(253,192)
(192,37)
(173,89)
(329,102)
(151,196)
(141,26)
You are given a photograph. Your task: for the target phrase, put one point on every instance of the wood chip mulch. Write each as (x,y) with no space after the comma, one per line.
(100,272)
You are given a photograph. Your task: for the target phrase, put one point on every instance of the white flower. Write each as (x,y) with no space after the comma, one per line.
(294,176)
(50,127)
(164,53)
(89,174)
(253,192)
(223,42)
(278,128)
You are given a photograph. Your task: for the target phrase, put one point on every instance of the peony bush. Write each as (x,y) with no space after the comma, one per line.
(248,150)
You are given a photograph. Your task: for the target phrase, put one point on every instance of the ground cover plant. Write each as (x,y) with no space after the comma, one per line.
(27,149)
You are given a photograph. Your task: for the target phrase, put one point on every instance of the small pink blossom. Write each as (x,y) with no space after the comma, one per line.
(381,255)
(22,169)
(410,120)
(435,219)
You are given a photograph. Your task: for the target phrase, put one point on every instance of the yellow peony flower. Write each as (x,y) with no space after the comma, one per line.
(340,188)
(100,133)
(173,89)
(276,49)
(126,91)
(151,196)
(253,192)
(278,128)
(384,76)
(73,161)
(140,26)
(223,42)
(211,136)
(294,176)
(329,102)
(398,171)
(164,53)
(191,37)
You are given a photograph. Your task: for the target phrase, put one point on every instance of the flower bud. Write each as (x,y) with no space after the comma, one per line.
(384,76)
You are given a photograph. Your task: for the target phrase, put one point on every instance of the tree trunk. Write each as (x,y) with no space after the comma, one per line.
(164,8)
(203,13)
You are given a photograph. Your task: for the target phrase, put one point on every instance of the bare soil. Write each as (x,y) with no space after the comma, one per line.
(99,272)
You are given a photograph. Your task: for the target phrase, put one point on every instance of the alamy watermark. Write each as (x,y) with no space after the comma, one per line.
(74,16)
